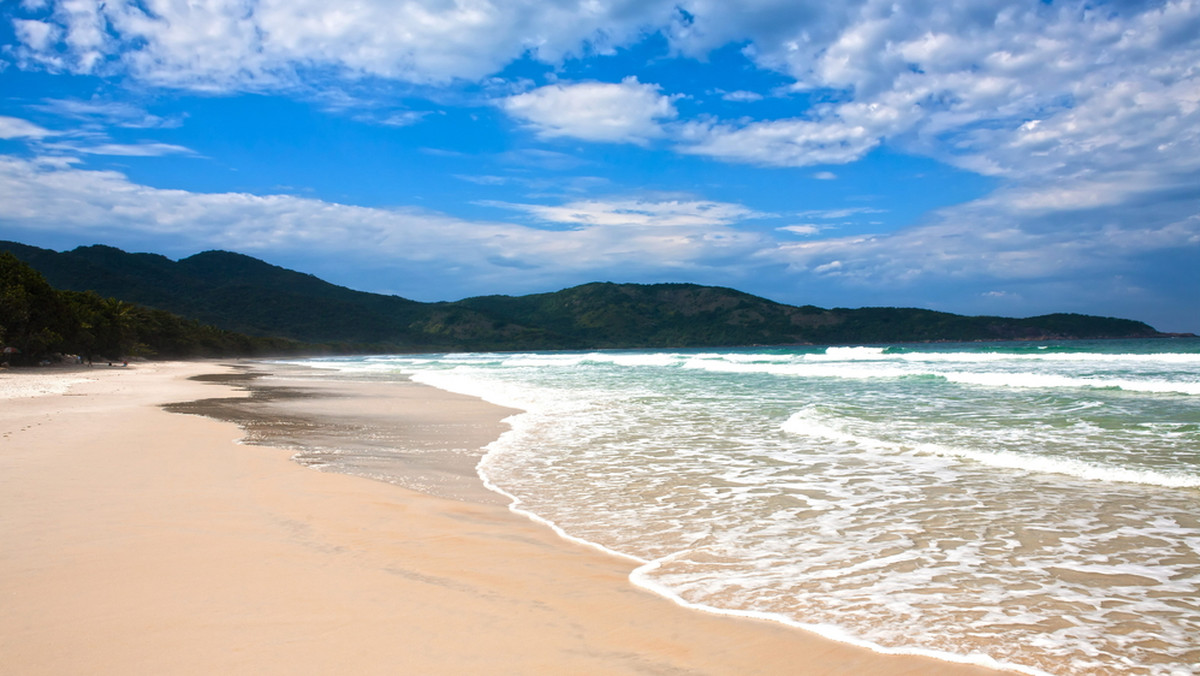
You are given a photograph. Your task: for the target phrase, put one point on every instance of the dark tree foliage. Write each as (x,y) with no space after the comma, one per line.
(34,318)
(40,321)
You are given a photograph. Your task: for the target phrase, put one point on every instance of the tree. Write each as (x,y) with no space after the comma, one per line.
(33,317)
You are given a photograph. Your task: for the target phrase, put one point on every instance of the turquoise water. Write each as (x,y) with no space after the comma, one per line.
(1030,505)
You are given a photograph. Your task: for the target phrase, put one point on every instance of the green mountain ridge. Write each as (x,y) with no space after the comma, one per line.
(39,324)
(240,293)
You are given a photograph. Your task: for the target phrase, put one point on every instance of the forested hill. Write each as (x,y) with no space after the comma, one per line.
(243,294)
(229,290)
(39,322)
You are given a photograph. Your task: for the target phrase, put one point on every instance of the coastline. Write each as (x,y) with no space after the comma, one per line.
(141,540)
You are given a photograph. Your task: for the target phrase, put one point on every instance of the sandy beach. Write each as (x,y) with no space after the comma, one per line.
(134,540)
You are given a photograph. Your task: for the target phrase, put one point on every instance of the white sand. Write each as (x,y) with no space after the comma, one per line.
(136,541)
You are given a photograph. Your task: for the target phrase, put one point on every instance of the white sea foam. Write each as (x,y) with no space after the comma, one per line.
(643,577)
(1042,380)
(812,424)
(544,360)
(856,370)
(737,357)
(1071,357)
(634,359)
(1044,526)
(852,354)
(874,363)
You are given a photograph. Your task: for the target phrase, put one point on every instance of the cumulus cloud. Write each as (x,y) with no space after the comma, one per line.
(1024,91)
(788,143)
(625,112)
(996,87)
(56,196)
(73,38)
(255,44)
(37,36)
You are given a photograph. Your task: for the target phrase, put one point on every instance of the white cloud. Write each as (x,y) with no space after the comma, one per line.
(144,149)
(78,26)
(1066,102)
(255,44)
(802,229)
(829,134)
(118,113)
(628,112)
(37,36)
(640,213)
(825,176)
(15,127)
(985,241)
(1111,85)
(40,195)
(83,142)
(836,214)
(403,118)
(794,143)
(742,96)
(687,235)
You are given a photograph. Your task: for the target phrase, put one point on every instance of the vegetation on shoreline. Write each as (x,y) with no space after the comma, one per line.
(38,321)
(235,304)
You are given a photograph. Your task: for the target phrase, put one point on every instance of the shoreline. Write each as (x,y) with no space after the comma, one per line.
(140,540)
(397,431)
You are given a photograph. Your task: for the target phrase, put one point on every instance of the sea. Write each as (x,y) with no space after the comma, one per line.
(1032,506)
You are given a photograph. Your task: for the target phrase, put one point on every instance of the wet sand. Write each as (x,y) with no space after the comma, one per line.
(138,540)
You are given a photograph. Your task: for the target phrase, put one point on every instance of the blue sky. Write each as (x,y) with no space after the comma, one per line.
(974,156)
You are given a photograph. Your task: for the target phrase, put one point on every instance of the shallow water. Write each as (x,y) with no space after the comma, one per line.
(1030,505)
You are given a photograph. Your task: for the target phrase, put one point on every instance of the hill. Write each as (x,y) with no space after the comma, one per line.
(243,294)
(38,322)
(664,315)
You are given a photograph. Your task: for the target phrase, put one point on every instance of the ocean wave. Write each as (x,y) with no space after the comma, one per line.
(1187,383)
(812,423)
(1046,380)
(920,513)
